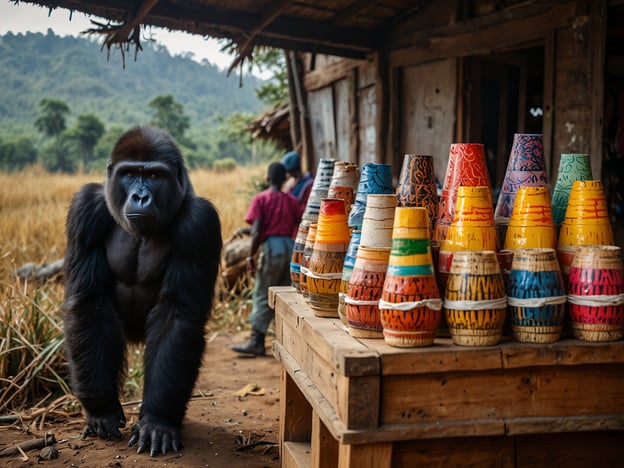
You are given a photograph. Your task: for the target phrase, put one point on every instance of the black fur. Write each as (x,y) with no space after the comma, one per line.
(141,265)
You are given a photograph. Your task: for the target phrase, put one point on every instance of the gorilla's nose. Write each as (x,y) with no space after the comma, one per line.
(141,200)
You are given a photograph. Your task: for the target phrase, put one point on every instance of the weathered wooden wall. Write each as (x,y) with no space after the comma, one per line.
(414,101)
(427,111)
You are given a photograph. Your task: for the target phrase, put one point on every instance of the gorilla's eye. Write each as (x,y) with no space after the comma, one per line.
(154,176)
(130,175)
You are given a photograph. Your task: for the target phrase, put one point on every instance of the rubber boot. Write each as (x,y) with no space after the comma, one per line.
(254,345)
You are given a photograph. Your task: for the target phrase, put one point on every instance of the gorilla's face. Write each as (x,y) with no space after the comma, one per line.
(146,182)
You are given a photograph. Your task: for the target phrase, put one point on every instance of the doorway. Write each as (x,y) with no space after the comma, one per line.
(501,95)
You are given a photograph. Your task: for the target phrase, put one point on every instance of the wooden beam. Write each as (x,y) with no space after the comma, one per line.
(354,9)
(325,76)
(464,40)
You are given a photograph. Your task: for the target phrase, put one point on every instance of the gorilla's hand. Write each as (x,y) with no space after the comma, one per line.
(159,437)
(105,426)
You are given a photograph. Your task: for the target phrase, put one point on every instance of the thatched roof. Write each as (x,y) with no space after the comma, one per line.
(273,124)
(349,28)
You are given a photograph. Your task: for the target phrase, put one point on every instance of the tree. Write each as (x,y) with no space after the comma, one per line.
(60,155)
(17,153)
(169,115)
(275,90)
(51,122)
(86,133)
(104,147)
(234,137)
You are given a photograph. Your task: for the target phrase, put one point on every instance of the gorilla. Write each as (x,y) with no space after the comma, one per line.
(141,264)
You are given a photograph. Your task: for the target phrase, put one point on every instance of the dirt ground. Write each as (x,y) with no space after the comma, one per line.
(220,430)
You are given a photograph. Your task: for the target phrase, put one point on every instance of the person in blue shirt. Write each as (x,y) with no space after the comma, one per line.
(299,184)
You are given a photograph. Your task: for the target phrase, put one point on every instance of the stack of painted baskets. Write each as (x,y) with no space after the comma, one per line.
(403,265)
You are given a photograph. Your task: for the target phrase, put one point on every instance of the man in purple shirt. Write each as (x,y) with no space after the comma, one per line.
(274,217)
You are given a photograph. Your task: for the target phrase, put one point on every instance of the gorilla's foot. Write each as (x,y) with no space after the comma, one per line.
(254,346)
(159,438)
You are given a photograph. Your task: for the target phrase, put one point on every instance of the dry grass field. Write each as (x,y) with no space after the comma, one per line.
(33,205)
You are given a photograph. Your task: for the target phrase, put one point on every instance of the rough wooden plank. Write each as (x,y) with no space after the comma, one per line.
(295,455)
(562,353)
(427,106)
(602,422)
(572,122)
(291,338)
(597,449)
(327,75)
(295,412)
(347,355)
(477,452)
(343,107)
(354,143)
(462,42)
(507,393)
(285,292)
(321,118)
(365,456)
(426,430)
(442,355)
(319,403)
(367,107)
(358,401)
(324,446)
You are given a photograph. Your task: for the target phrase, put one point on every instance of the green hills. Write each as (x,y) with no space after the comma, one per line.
(35,66)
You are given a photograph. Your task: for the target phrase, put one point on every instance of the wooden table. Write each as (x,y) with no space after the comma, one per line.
(360,403)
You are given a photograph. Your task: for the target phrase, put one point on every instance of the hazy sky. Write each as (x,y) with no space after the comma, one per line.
(27,17)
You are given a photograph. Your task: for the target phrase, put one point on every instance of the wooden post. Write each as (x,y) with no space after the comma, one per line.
(365,456)
(324,450)
(598,12)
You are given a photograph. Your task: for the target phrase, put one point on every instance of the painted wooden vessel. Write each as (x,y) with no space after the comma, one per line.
(417,185)
(526,167)
(536,296)
(466,167)
(347,270)
(531,224)
(305,261)
(475,302)
(586,221)
(375,178)
(596,293)
(325,267)
(364,291)
(378,220)
(297,254)
(410,305)
(572,167)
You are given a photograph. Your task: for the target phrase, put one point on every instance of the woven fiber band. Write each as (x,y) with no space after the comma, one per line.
(497,303)
(351,301)
(433,304)
(596,301)
(323,276)
(531,302)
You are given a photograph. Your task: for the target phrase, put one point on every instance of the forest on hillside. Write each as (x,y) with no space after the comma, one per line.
(63,95)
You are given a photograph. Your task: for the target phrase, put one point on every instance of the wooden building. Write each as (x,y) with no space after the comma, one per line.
(371,80)
(475,71)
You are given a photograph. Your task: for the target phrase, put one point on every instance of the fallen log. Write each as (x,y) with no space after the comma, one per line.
(33,444)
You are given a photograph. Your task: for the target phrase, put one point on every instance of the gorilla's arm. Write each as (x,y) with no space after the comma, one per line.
(93,333)
(175,327)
